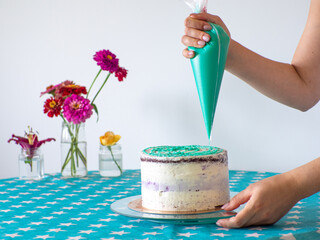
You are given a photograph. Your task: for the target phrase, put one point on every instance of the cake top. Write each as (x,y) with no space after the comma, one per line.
(181,151)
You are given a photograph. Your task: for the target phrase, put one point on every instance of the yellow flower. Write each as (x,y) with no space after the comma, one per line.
(109,139)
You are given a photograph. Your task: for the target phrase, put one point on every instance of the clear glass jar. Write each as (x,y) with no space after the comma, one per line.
(31,165)
(73,150)
(110,160)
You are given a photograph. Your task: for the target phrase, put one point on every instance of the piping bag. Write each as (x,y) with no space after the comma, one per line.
(208,66)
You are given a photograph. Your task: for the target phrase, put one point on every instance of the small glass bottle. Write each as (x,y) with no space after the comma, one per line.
(31,165)
(110,160)
(73,150)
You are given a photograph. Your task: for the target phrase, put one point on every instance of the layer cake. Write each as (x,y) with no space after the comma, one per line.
(184,178)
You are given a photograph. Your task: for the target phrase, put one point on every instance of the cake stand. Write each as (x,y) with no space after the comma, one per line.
(122,207)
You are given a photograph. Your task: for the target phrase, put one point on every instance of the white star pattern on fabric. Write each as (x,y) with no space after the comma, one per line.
(6,210)
(34,211)
(66,224)
(219,234)
(87,232)
(77,219)
(56,230)
(188,234)
(38,198)
(57,218)
(109,238)
(68,208)
(106,220)
(37,223)
(9,222)
(288,236)
(119,233)
(257,228)
(25,229)
(13,235)
(127,226)
(44,237)
(256,235)
(137,220)
(293,217)
(97,225)
(76,238)
(291,229)
(103,204)
(27,202)
(22,216)
(296,211)
(193,228)
(160,227)
(292,222)
(16,206)
(95,209)
(224,229)
(86,214)
(59,213)
(151,233)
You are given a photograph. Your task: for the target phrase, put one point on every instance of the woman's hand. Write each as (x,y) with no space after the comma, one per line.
(267,201)
(195,25)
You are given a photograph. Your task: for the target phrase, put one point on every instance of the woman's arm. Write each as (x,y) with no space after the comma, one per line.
(296,85)
(270,199)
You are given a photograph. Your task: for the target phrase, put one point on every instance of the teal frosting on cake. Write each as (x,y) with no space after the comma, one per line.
(181,151)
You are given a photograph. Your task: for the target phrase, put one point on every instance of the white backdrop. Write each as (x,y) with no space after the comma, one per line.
(46,42)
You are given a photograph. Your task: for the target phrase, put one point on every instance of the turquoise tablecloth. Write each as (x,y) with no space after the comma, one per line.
(56,208)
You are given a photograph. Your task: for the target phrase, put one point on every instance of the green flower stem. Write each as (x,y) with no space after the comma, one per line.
(109,147)
(29,161)
(93,82)
(74,152)
(101,88)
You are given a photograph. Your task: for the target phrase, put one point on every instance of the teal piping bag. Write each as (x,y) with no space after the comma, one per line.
(208,66)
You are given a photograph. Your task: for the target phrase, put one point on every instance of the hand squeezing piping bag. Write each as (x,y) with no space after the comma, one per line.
(208,66)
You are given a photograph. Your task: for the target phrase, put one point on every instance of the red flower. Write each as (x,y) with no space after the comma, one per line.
(53,106)
(52,89)
(121,73)
(30,143)
(68,90)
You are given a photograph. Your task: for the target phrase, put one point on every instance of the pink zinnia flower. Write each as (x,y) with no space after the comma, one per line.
(106,60)
(121,73)
(77,109)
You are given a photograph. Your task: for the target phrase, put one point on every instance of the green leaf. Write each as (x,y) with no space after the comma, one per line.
(96,110)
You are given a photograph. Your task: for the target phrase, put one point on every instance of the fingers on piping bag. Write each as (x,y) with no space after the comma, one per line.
(208,66)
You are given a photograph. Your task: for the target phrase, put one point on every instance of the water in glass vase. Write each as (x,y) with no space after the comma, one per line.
(75,167)
(110,161)
(73,150)
(31,168)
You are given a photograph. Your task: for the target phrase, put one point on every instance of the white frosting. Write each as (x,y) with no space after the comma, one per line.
(187,186)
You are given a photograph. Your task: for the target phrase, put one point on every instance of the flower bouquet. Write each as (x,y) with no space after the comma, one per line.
(71,102)
(30,154)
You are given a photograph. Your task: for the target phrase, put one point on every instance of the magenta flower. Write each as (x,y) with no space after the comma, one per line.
(77,109)
(121,73)
(30,143)
(106,60)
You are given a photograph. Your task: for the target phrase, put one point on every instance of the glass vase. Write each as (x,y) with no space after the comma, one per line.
(31,164)
(73,150)
(110,160)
